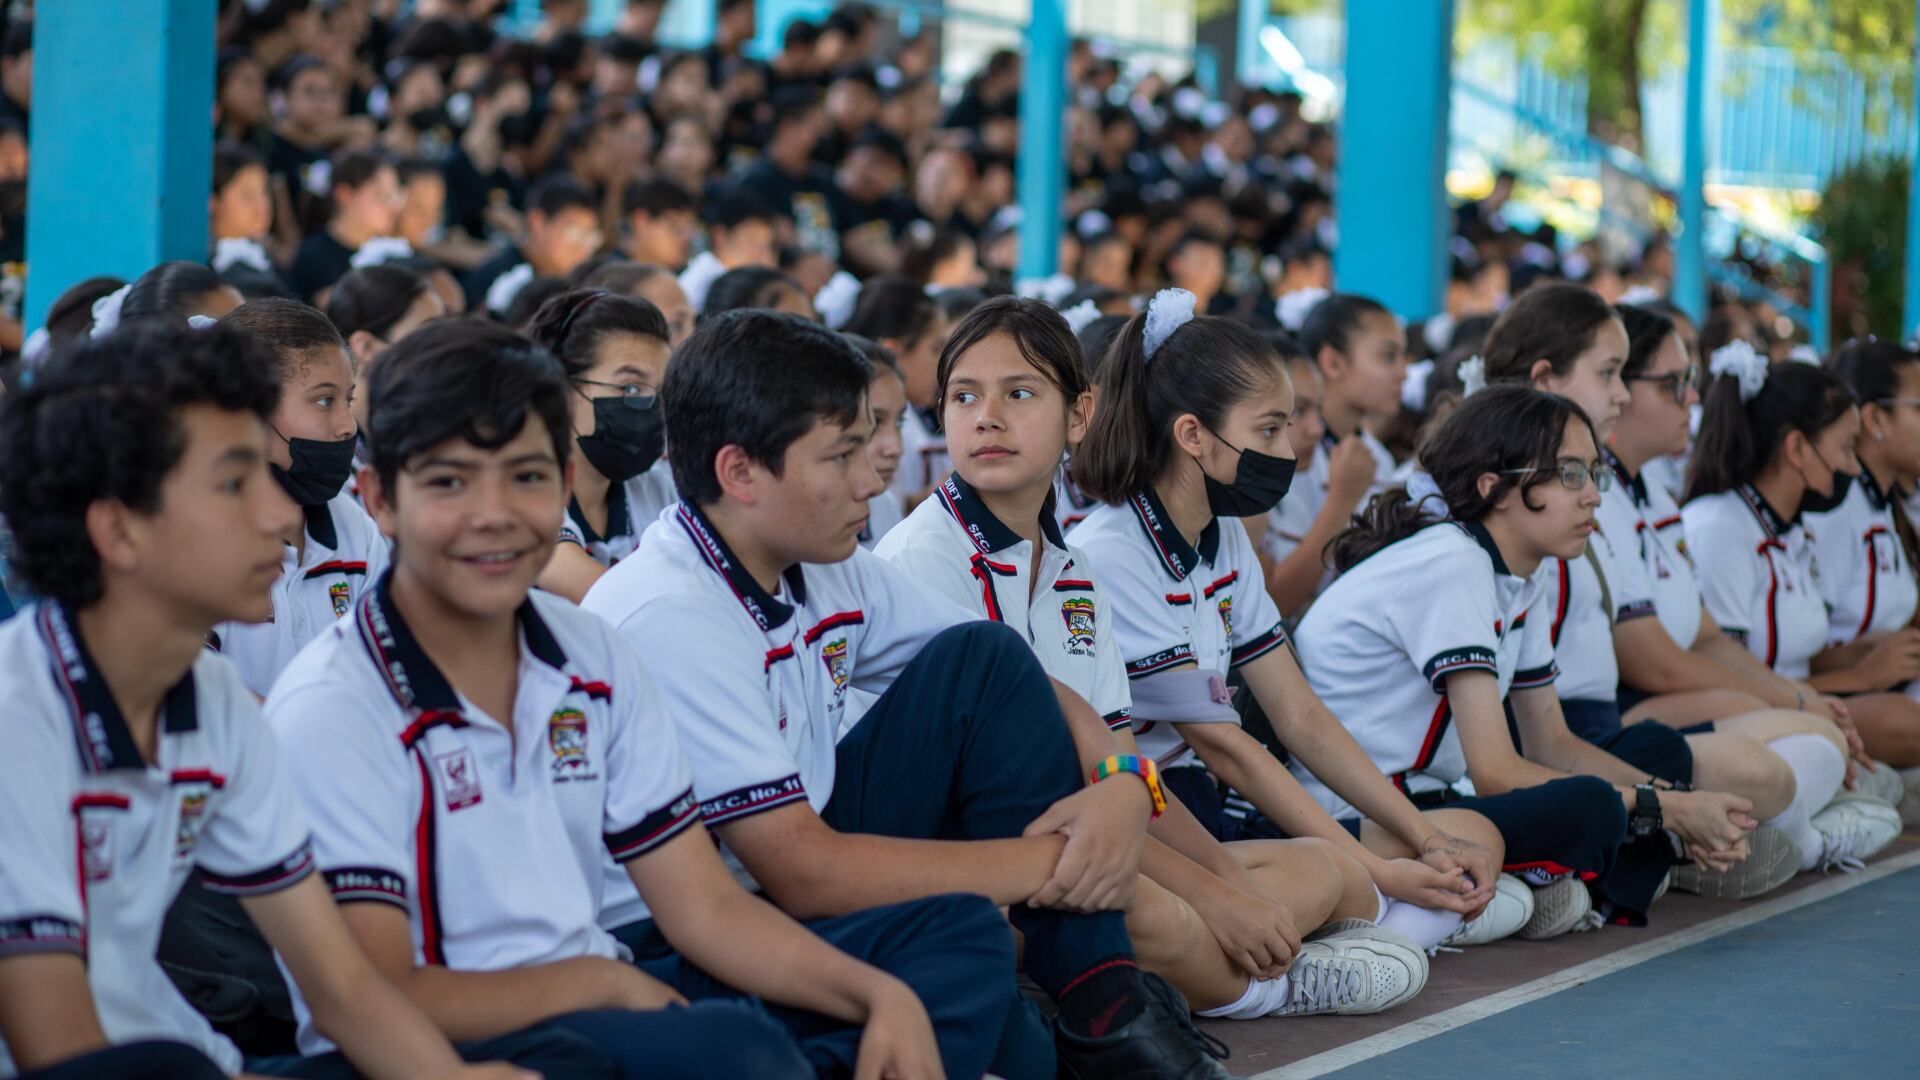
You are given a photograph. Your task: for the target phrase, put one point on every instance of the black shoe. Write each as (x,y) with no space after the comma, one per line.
(1159,1044)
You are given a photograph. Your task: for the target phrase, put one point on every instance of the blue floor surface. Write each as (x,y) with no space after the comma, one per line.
(1832,989)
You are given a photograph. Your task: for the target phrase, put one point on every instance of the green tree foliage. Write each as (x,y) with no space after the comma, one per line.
(1861,219)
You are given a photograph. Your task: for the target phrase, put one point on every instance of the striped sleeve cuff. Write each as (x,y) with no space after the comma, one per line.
(1454,661)
(352,884)
(1637,610)
(655,829)
(1119,719)
(1534,678)
(280,875)
(42,934)
(748,801)
(1260,645)
(1160,661)
(1735,633)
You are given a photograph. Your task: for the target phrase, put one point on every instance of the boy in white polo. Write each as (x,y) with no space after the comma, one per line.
(331,558)
(477,756)
(134,471)
(755,611)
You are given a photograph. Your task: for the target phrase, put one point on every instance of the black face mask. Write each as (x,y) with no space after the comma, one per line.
(320,470)
(428,118)
(1815,503)
(628,435)
(1260,481)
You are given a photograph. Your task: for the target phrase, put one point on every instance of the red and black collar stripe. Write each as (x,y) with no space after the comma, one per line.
(767,612)
(412,677)
(988,533)
(1770,520)
(1180,558)
(1636,485)
(99,728)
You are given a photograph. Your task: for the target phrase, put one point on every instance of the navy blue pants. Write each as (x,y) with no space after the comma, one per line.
(954,951)
(149,1060)
(1213,805)
(553,1053)
(969,744)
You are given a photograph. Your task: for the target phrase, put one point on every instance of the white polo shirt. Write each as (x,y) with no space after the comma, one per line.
(1287,523)
(1647,513)
(345,553)
(98,841)
(883,513)
(1582,600)
(1070,505)
(1175,603)
(1865,578)
(1759,579)
(631,507)
(1380,642)
(756,683)
(496,842)
(923,460)
(953,544)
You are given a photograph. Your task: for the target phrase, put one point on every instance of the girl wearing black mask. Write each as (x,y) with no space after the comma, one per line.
(615,351)
(1192,428)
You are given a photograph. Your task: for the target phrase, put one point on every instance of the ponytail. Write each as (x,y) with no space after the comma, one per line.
(1205,367)
(1505,430)
(1738,438)
(1332,322)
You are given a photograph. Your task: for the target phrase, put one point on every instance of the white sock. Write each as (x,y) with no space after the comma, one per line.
(1426,926)
(1818,771)
(1262,996)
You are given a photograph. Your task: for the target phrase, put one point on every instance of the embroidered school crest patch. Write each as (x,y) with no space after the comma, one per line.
(1078,614)
(193,813)
(567,738)
(337,593)
(1226,614)
(834,655)
(459,779)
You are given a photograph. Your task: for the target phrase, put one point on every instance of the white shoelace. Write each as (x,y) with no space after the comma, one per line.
(1592,920)
(1839,853)
(1324,985)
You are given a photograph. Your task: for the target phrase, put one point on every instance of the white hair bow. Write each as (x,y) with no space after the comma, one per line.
(1738,358)
(836,299)
(1293,308)
(1081,315)
(1169,310)
(379,250)
(1473,376)
(106,311)
(234,251)
(500,294)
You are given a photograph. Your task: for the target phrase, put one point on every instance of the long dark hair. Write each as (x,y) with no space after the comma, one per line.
(1501,430)
(1555,323)
(893,307)
(1871,369)
(374,298)
(1738,438)
(1332,322)
(1647,330)
(572,324)
(1205,367)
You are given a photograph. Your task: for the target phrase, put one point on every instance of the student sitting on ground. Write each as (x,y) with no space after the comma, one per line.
(614,349)
(1776,441)
(473,754)
(1223,923)
(898,313)
(1426,633)
(755,612)
(134,472)
(887,395)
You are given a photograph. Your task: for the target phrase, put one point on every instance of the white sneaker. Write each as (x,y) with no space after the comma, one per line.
(1772,860)
(1354,972)
(1558,908)
(1854,830)
(1508,911)
(1882,783)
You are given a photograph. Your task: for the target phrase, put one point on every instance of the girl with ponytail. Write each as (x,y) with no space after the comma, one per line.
(1432,625)
(1191,433)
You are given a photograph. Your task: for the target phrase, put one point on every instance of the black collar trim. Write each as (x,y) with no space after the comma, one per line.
(412,677)
(766,611)
(1485,539)
(988,533)
(619,520)
(1770,520)
(320,526)
(1636,485)
(99,728)
(1179,557)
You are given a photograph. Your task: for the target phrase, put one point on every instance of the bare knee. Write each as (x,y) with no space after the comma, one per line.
(1742,766)
(1163,927)
(1357,898)
(1471,825)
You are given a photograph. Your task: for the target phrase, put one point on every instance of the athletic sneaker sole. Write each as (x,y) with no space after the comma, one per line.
(1510,909)
(1557,909)
(1773,858)
(1382,956)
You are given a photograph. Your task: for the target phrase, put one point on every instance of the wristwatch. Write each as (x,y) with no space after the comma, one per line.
(1646,818)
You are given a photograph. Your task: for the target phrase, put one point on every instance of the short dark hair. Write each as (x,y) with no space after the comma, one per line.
(886,142)
(745,287)
(287,328)
(528,300)
(878,355)
(229,158)
(373,298)
(894,307)
(465,379)
(100,420)
(1038,331)
(657,196)
(18,40)
(560,192)
(737,206)
(167,291)
(619,275)
(1332,322)
(758,380)
(571,325)
(353,167)
(71,313)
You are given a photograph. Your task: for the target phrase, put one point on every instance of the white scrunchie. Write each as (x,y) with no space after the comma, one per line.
(1051,289)
(836,299)
(500,294)
(379,250)
(201,322)
(233,251)
(1169,310)
(1738,358)
(1473,376)
(37,346)
(106,311)
(1425,495)
(1081,315)
(1413,389)
(1293,308)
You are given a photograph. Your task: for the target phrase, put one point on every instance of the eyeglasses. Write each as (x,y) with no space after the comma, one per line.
(1574,475)
(633,395)
(1887,403)
(1676,382)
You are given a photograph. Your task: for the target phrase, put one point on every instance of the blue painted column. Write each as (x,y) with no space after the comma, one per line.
(1041,172)
(132,190)
(1690,255)
(1911,322)
(689,24)
(772,17)
(1394,216)
(1248,63)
